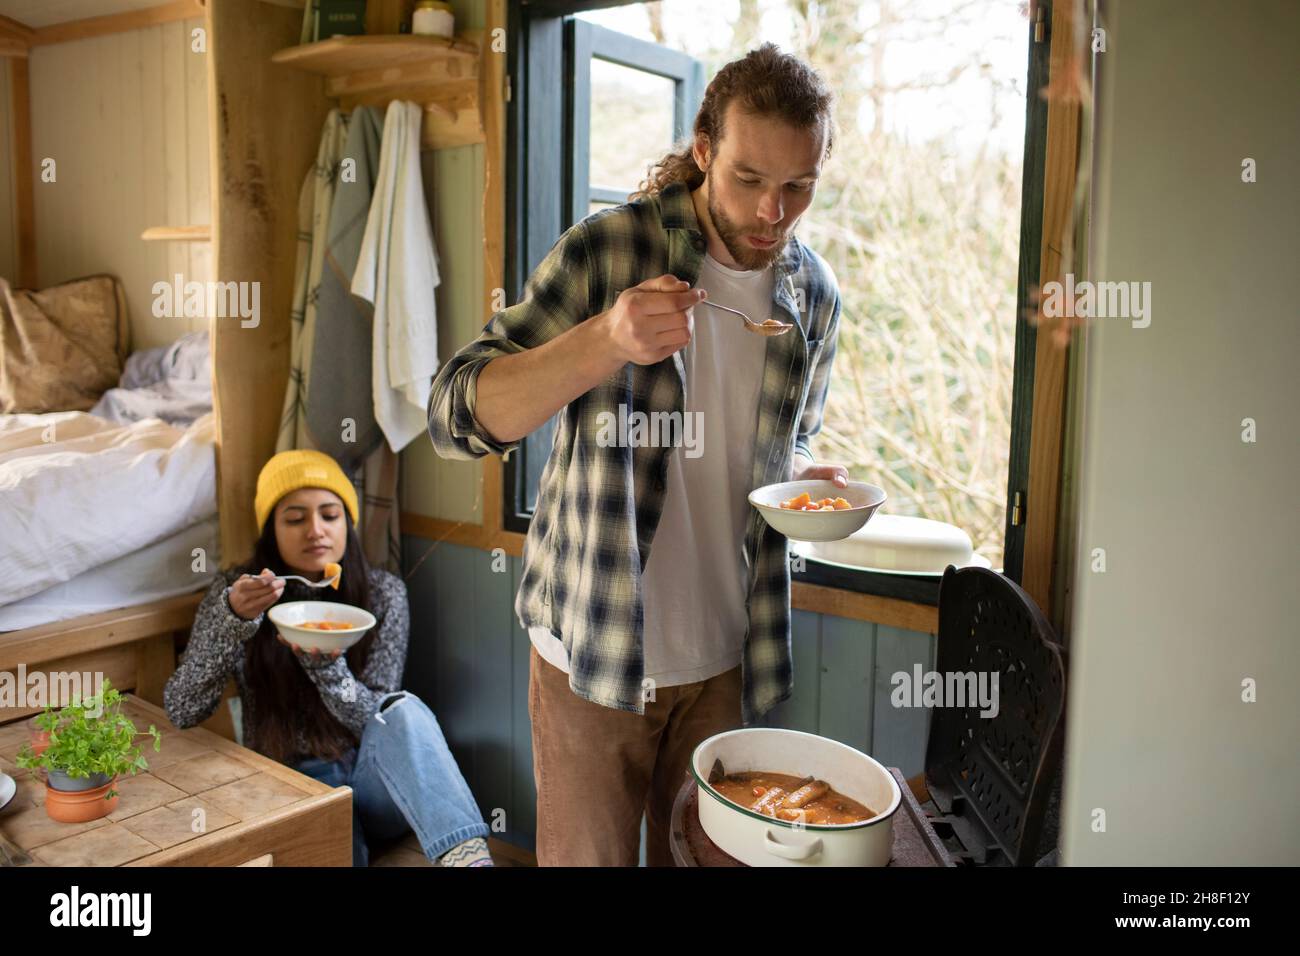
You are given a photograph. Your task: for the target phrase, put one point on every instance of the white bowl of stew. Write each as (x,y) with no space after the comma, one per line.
(754,837)
(833,525)
(321,625)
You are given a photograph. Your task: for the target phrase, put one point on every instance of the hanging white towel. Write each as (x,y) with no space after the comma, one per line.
(398,271)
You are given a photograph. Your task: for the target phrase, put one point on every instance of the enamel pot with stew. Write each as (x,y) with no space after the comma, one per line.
(760,840)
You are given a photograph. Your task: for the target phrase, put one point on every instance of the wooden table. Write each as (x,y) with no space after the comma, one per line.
(254,811)
(915,842)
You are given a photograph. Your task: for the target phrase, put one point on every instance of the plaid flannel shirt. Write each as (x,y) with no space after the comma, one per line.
(598,507)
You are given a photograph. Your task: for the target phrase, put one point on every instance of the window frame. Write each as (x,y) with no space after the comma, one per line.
(541,70)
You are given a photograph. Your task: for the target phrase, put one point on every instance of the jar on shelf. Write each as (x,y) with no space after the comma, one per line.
(433,18)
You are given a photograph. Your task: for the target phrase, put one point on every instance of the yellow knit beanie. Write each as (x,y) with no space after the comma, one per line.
(290,470)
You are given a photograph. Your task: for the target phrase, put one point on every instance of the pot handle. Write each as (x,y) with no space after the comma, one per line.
(777,848)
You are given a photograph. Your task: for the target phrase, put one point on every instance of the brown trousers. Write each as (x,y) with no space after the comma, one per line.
(597,769)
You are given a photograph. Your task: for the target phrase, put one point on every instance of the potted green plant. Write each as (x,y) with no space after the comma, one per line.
(85,754)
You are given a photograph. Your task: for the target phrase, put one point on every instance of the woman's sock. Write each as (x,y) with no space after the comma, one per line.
(472,852)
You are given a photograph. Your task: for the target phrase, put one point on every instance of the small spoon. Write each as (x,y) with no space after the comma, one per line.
(322,583)
(327,580)
(770,327)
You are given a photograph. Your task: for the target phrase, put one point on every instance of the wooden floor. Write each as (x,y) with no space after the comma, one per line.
(407,852)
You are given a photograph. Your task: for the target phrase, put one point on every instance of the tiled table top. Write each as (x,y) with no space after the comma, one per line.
(196,786)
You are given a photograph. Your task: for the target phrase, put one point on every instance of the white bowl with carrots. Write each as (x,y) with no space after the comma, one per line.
(325,626)
(817,509)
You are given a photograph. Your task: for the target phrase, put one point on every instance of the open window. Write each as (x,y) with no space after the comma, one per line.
(621,103)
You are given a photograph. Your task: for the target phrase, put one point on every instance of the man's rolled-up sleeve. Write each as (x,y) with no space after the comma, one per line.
(556,298)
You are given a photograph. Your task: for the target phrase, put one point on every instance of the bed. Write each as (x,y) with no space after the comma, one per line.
(115,506)
(109,531)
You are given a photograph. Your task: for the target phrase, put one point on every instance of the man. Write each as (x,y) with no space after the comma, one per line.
(656,599)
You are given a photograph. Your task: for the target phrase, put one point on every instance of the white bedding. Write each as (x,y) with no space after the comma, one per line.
(164,569)
(77,491)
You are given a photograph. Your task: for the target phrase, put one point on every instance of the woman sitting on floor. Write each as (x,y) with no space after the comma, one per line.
(338,718)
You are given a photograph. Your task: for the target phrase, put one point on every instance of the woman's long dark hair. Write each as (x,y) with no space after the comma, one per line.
(285,696)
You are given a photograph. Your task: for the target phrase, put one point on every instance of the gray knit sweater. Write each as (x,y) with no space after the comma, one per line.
(217,647)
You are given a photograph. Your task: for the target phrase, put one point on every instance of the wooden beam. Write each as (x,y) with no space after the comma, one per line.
(1051,359)
(24,198)
(177,234)
(96,632)
(117,22)
(155,662)
(12,47)
(891,612)
(463,533)
(11,28)
(116,664)
(266,125)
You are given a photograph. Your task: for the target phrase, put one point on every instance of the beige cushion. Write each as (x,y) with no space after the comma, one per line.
(61,348)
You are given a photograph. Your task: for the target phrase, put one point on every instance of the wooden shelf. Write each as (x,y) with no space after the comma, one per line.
(178,233)
(339,56)
(439,74)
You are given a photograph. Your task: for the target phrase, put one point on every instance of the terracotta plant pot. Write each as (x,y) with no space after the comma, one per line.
(40,738)
(79,806)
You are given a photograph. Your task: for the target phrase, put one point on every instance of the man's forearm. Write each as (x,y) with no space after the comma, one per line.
(517,394)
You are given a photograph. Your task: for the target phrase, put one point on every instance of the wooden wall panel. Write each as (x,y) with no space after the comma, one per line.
(899,735)
(453,490)
(523,789)
(846,679)
(8,230)
(125,117)
(454,189)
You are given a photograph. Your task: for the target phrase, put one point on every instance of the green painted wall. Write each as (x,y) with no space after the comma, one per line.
(454,181)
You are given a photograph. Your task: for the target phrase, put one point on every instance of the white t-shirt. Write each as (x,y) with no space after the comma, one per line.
(694,582)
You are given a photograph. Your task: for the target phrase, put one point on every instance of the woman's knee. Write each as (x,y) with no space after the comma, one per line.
(403,706)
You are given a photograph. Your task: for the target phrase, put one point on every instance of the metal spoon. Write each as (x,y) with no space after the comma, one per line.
(322,583)
(770,327)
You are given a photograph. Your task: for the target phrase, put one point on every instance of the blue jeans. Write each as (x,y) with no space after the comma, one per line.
(403,778)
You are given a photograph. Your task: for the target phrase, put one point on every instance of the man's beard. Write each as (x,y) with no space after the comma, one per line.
(733,237)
